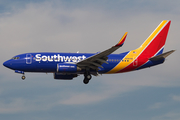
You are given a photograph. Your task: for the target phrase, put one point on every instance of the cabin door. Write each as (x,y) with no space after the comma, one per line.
(28,58)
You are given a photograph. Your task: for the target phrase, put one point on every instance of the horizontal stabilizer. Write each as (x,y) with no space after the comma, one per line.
(161,56)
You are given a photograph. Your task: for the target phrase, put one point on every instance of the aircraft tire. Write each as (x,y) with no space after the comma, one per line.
(88,77)
(23,77)
(85,81)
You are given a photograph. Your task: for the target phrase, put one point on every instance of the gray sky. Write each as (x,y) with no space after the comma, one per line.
(88,26)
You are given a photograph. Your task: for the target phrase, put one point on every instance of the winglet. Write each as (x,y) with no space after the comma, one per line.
(121,42)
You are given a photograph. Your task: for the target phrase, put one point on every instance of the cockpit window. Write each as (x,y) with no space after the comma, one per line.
(15,58)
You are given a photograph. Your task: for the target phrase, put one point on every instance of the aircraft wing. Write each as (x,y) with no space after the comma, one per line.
(97,60)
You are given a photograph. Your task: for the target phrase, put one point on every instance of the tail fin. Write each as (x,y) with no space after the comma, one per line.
(154,44)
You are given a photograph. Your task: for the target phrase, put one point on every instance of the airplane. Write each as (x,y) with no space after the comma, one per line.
(66,66)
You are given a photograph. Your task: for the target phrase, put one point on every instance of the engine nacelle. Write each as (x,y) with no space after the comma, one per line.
(64,76)
(67,68)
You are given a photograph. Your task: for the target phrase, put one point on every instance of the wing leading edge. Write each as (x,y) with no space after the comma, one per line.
(97,60)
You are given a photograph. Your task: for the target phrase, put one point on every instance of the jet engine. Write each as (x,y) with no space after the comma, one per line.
(64,76)
(67,68)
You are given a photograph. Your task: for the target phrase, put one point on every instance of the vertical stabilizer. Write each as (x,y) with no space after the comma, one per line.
(154,44)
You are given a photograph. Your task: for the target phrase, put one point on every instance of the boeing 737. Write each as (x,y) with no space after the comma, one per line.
(66,66)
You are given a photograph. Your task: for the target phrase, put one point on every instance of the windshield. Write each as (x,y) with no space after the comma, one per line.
(15,58)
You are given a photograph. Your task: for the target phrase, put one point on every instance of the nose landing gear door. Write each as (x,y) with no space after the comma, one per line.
(28,58)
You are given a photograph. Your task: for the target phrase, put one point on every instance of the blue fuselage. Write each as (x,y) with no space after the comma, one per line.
(47,62)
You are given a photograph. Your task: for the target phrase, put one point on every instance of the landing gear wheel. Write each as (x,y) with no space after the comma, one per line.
(85,81)
(23,77)
(87,77)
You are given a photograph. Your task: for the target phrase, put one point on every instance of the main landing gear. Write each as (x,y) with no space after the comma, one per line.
(87,77)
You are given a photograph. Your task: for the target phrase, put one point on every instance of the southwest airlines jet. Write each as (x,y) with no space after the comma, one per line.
(66,66)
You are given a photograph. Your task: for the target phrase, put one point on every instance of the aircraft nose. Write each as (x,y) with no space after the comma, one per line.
(6,64)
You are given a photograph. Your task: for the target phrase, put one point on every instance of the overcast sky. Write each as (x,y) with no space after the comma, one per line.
(88,26)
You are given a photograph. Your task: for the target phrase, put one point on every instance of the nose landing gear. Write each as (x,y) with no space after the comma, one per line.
(21,72)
